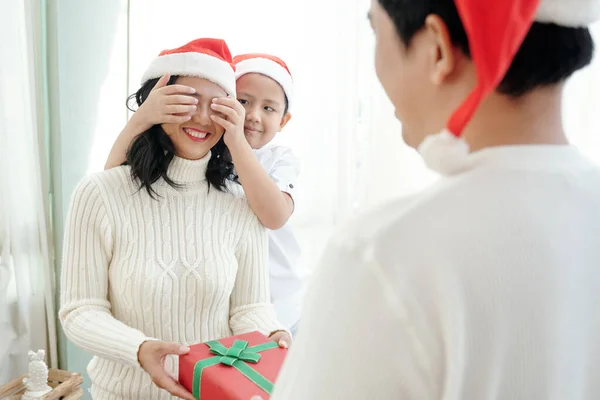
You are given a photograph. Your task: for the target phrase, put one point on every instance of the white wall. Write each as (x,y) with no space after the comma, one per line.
(87,54)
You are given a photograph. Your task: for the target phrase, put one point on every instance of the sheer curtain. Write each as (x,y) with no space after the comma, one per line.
(26,281)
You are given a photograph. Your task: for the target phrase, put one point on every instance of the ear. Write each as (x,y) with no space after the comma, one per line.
(286,118)
(442,53)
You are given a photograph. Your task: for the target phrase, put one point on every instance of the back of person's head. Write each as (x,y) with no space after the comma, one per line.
(549,54)
(439,61)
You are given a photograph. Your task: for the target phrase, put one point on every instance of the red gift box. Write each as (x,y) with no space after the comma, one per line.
(234,368)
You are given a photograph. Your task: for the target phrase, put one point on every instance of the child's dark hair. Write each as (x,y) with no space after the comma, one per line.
(287,104)
(151,153)
(549,55)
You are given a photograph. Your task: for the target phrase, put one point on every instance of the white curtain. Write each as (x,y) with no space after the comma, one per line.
(27,316)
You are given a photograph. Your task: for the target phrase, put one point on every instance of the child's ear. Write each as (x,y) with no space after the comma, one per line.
(286,118)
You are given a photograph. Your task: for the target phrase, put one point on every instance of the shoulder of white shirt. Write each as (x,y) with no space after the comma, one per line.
(272,153)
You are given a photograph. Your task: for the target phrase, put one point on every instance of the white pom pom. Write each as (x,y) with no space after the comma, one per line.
(571,13)
(445,153)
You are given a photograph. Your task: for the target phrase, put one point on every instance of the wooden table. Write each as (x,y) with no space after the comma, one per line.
(65,386)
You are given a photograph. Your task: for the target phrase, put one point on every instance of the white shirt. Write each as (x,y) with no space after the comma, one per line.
(186,268)
(287,276)
(484,287)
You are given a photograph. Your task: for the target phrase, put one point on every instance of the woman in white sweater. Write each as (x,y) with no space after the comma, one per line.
(165,252)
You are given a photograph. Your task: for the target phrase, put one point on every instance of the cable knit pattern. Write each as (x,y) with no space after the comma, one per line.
(186,268)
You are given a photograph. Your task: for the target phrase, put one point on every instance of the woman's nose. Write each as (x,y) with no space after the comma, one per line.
(202,114)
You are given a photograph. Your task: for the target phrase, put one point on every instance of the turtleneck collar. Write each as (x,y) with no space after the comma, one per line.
(188,172)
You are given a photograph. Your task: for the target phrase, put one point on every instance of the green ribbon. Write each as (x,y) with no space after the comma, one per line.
(236,356)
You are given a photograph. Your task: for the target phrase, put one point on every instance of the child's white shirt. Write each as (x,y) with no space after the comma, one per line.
(287,276)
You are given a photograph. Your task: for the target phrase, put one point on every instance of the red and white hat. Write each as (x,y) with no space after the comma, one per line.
(203,58)
(496,31)
(267,65)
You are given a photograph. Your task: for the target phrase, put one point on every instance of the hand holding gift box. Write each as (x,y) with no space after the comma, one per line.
(234,368)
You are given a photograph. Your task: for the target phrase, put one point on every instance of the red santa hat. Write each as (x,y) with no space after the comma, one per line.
(203,58)
(496,30)
(267,65)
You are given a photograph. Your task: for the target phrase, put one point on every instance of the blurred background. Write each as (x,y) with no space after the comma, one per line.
(67,67)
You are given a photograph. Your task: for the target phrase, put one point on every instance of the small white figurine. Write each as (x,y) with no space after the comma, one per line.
(37,378)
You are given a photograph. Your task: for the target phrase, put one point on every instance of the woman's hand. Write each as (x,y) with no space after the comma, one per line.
(282,338)
(234,124)
(170,104)
(151,355)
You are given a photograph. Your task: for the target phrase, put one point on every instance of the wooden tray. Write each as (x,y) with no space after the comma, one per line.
(65,386)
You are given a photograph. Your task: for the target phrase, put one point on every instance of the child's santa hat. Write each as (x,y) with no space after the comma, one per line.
(267,65)
(496,29)
(203,58)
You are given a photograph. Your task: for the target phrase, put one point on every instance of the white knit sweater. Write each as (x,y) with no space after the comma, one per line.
(484,287)
(186,268)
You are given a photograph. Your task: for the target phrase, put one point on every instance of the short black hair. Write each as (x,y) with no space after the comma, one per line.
(549,54)
(287,104)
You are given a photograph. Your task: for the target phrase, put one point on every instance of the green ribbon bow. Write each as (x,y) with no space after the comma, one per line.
(236,356)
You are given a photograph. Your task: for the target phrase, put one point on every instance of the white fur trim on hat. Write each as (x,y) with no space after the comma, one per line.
(572,13)
(269,68)
(445,153)
(193,64)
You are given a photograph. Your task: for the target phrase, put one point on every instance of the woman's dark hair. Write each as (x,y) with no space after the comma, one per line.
(549,55)
(151,153)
